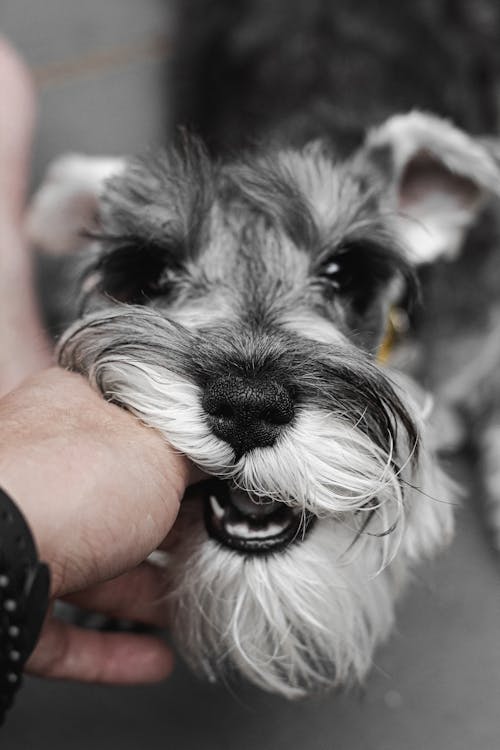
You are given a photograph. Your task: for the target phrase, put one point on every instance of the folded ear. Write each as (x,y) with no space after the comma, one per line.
(65,205)
(438,178)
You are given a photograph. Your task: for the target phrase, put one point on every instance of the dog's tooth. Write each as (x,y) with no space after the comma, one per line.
(216,507)
(272,529)
(245,531)
(238,529)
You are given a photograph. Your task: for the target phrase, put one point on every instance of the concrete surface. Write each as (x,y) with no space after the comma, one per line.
(436,685)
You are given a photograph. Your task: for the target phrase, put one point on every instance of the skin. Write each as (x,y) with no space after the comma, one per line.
(24,346)
(100,491)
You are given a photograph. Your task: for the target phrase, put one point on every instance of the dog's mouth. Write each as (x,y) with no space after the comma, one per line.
(250,524)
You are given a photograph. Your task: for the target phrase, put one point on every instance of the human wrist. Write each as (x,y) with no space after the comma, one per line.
(24,598)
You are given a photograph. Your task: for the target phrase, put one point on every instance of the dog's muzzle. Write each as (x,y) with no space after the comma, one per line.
(253,525)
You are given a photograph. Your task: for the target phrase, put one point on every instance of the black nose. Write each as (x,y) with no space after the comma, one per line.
(247,412)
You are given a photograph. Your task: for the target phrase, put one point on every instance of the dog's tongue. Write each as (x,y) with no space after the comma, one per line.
(249,505)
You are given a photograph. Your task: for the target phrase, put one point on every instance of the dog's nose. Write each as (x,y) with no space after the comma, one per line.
(247,412)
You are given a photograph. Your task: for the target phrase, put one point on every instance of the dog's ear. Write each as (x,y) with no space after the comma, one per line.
(437,180)
(65,206)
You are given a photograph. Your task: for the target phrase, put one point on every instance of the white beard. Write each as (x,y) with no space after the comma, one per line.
(292,623)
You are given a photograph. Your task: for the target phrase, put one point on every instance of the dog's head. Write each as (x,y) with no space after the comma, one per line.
(238,308)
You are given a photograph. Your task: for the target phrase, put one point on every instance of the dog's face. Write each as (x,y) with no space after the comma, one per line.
(238,308)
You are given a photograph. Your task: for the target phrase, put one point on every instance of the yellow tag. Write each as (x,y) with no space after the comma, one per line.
(397,325)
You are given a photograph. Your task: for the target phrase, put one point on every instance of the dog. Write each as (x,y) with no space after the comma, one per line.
(239,304)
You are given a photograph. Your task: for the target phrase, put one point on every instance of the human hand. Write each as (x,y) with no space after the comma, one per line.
(100,492)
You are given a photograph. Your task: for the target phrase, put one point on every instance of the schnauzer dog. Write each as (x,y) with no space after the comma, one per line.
(238,304)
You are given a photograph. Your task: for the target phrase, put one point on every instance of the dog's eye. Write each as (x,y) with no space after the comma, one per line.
(339,273)
(358,270)
(134,273)
(158,288)
(343,270)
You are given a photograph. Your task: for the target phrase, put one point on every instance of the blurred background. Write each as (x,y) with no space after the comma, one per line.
(101,70)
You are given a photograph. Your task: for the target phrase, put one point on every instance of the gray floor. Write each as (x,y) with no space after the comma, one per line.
(436,685)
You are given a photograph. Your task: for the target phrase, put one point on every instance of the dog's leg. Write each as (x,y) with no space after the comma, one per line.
(65,205)
(489,466)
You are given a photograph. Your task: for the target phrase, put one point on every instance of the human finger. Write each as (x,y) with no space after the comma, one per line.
(137,595)
(68,652)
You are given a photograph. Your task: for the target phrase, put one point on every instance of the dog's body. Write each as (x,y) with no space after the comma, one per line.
(238,306)
(247,72)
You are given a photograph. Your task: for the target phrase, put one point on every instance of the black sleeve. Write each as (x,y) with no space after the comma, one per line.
(24,596)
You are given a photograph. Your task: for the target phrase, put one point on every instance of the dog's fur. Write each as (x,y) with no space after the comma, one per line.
(278,266)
